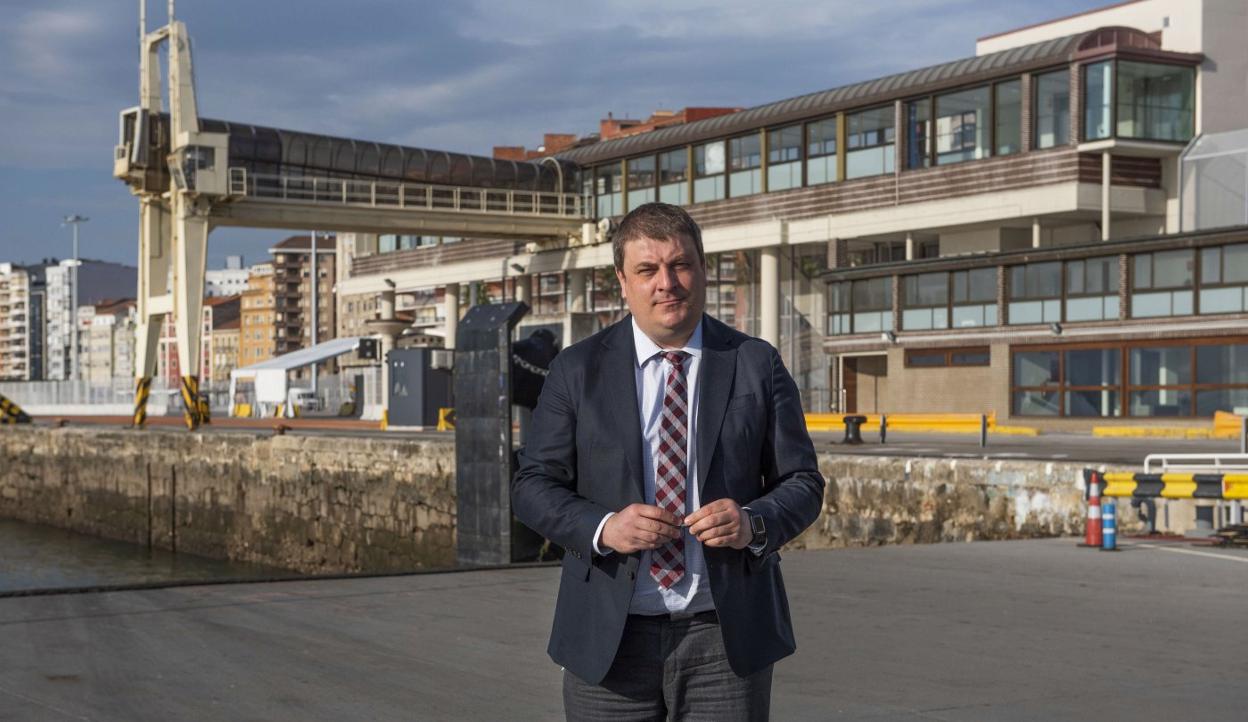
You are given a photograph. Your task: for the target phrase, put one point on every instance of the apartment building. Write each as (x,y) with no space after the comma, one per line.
(257,320)
(98,281)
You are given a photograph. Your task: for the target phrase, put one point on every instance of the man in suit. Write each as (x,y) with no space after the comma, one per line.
(668,455)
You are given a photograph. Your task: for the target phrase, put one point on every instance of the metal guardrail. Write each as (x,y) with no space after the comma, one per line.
(415,196)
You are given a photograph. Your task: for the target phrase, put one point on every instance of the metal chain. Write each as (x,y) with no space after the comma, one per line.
(515,358)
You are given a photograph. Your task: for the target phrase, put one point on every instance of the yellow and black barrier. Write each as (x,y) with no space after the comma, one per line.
(142,390)
(11,413)
(1174,485)
(190,402)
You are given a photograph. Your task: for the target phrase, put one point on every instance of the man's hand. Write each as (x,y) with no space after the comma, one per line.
(721,523)
(638,527)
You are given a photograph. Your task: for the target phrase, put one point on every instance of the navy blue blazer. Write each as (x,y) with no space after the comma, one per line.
(582,460)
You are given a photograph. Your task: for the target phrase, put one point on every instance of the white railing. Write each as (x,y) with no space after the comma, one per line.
(415,196)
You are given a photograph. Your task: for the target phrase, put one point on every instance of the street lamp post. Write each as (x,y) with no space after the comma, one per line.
(74,220)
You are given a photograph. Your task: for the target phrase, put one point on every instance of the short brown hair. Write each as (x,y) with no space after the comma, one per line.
(660,221)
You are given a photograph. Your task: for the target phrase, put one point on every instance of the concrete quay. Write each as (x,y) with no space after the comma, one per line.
(1019,630)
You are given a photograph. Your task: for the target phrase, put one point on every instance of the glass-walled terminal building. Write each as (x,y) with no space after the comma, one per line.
(1044,230)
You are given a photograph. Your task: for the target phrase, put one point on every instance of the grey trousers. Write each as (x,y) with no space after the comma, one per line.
(670,670)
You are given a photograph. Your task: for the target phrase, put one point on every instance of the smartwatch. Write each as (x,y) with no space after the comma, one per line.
(759,542)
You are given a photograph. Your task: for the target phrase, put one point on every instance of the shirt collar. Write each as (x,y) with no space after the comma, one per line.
(648,349)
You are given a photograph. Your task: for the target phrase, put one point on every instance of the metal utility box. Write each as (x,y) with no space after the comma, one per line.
(418,388)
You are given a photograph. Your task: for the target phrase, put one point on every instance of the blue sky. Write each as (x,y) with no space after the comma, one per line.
(464,75)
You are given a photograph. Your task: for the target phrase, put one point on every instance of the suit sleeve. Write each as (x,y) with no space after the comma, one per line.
(793,495)
(543,490)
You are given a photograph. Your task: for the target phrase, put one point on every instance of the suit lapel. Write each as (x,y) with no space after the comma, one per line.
(620,367)
(719,366)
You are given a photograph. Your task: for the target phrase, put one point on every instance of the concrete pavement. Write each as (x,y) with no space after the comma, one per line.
(1033,630)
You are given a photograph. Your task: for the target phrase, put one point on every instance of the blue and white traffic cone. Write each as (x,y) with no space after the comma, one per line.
(1109,526)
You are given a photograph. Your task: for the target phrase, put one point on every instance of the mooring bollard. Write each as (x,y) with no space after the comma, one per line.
(1109,526)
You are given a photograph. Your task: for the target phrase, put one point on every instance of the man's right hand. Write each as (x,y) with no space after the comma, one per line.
(638,527)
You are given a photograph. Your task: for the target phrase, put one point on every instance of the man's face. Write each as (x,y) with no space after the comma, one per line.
(664,283)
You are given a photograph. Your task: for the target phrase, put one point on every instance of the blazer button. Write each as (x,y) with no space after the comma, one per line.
(632,575)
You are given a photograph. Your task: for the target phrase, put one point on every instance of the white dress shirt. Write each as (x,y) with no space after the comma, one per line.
(692,593)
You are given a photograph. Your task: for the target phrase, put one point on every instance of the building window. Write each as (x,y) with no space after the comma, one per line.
(948,357)
(1143,379)
(674,177)
(821,151)
(608,186)
(1052,109)
(1092,289)
(1098,100)
(925,301)
(974,298)
(962,127)
(870,137)
(721,287)
(1035,293)
(708,172)
(1036,384)
(640,181)
(784,158)
(919,133)
(1161,284)
(1155,102)
(860,306)
(1224,279)
(745,162)
(1008,117)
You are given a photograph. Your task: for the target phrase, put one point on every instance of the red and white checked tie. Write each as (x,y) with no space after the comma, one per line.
(667,563)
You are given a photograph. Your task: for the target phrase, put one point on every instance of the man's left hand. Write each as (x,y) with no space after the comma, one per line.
(721,523)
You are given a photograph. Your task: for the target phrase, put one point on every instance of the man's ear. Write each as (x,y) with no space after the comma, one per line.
(619,276)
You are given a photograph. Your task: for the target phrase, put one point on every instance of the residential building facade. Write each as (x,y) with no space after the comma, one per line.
(98,281)
(257,320)
(108,340)
(21,329)
(218,312)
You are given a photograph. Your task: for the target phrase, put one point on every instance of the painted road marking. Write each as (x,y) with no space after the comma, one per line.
(1193,552)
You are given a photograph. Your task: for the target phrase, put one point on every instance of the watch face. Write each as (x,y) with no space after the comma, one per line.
(756,525)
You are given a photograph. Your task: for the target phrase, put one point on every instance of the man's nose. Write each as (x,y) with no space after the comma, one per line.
(667,278)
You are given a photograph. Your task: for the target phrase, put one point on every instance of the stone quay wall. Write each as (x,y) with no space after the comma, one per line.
(315,504)
(330,504)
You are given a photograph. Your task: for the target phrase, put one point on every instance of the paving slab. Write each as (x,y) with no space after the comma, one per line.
(1027,630)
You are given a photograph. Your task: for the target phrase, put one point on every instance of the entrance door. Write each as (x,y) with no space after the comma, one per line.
(863,380)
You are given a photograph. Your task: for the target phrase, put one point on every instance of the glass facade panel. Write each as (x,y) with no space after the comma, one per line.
(609,188)
(1009,117)
(1161,366)
(1161,402)
(1093,367)
(872,305)
(1156,102)
(1098,99)
(821,151)
(709,164)
(871,140)
(1036,280)
(1223,300)
(674,177)
(1233,401)
(1093,402)
(1036,368)
(918,133)
(784,158)
(744,162)
(1036,403)
(977,285)
(962,125)
(641,177)
(1052,109)
(1222,364)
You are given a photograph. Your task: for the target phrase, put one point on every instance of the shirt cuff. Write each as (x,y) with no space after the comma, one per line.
(599,550)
